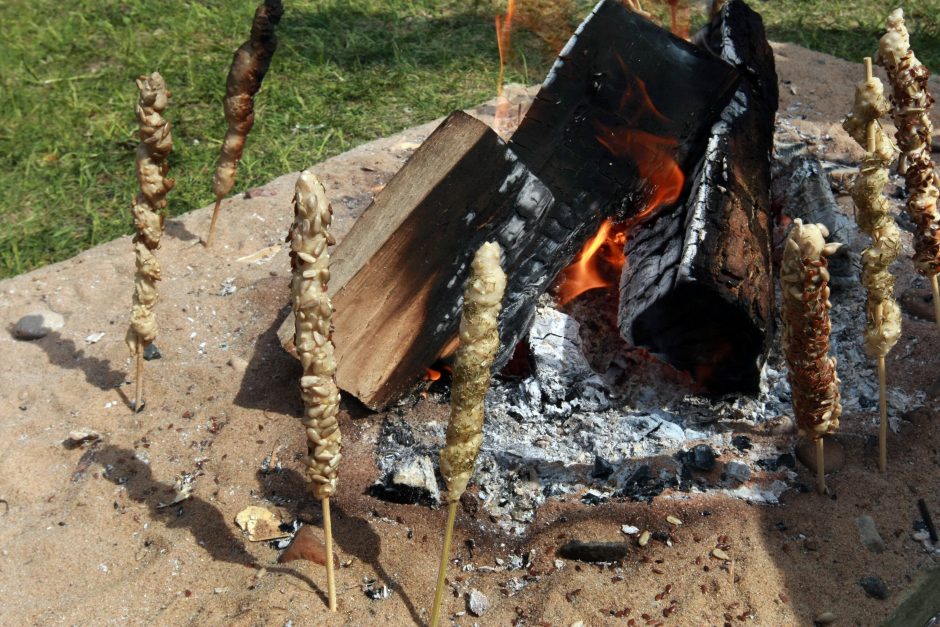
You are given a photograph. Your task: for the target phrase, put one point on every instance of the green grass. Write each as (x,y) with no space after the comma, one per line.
(346,72)
(851,28)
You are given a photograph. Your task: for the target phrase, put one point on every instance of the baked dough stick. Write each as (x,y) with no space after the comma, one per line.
(814,386)
(883,317)
(250,64)
(152,163)
(479,341)
(313,314)
(912,104)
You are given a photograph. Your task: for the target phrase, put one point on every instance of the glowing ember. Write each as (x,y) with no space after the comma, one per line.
(602,258)
(432,375)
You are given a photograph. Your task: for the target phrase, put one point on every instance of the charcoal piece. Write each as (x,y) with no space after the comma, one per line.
(592,552)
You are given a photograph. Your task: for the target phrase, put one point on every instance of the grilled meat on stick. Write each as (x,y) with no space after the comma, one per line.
(479,342)
(249,65)
(814,385)
(313,312)
(883,316)
(152,163)
(912,103)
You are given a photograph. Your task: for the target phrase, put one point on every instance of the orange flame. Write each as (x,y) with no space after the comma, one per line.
(503,40)
(597,265)
(431,374)
(603,255)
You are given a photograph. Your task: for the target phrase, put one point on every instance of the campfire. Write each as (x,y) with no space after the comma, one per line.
(643,163)
(633,207)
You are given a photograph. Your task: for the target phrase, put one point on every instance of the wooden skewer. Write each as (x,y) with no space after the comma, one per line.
(883,430)
(330,575)
(882,376)
(936,298)
(820,467)
(139,385)
(215,216)
(445,558)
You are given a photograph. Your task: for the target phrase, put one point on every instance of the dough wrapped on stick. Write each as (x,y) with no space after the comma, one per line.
(152,164)
(249,65)
(912,102)
(479,342)
(814,385)
(883,316)
(310,239)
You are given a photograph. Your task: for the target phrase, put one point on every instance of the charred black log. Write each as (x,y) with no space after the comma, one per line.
(697,289)
(620,79)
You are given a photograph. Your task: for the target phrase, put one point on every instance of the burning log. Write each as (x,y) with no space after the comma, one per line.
(697,289)
(620,76)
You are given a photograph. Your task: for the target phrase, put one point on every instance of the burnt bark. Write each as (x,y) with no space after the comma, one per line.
(697,289)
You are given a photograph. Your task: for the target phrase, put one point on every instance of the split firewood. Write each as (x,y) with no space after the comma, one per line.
(883,316)
(152,154)
(479,342)
(912,103)
(249,65)
(313,311)
(814,385)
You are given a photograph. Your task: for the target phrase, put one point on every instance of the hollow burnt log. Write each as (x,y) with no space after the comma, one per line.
(697,289)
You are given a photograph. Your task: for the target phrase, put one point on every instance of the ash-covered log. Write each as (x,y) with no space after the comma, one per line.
(697,289)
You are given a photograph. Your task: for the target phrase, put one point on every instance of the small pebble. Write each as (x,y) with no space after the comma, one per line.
(151,352)
(825,618)
(874,587)
(477,603)
(644,538)
(81,436)
(672,520)
(720,555)
(630,530)
(869,535)
(38,324)
(738,471)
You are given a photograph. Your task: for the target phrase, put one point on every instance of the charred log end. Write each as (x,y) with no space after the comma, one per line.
(698,290)
(696,330)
